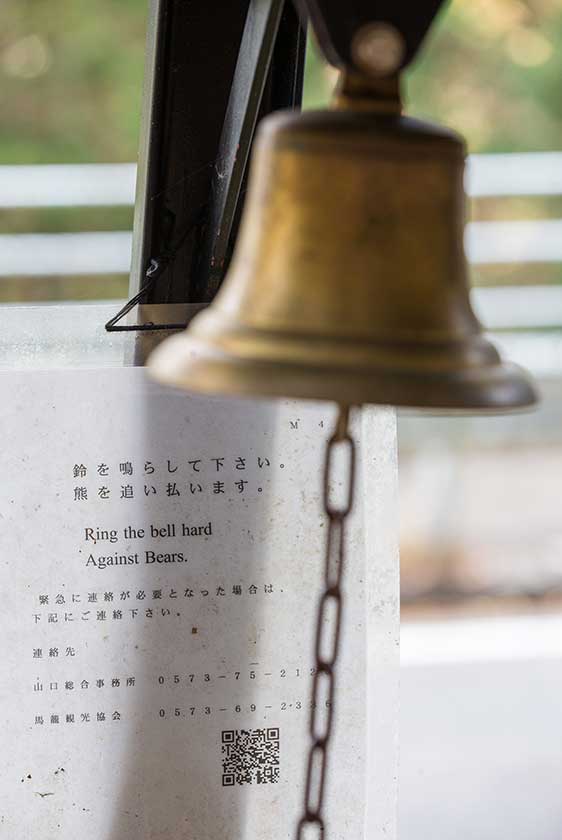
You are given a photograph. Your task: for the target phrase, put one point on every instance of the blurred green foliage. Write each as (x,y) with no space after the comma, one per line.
(491,69)
(71,77)
(71,87)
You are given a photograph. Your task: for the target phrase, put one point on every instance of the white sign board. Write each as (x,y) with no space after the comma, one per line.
(159,575)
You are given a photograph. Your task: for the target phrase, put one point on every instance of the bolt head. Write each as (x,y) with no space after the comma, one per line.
(378,48)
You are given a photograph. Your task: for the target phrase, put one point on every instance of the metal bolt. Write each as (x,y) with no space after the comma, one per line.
(378,48)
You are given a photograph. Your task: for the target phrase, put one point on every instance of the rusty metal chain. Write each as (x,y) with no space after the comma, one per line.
(328,629)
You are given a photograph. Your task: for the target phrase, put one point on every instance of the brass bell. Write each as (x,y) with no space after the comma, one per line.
(348,281)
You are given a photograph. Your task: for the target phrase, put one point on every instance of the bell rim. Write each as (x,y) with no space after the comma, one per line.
(196,365)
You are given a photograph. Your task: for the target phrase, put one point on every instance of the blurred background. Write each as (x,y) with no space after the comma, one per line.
(481,528)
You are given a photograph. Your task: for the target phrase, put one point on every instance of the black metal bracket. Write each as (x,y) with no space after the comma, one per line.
(336,22)
(252,68)
(153,272)
(211,74)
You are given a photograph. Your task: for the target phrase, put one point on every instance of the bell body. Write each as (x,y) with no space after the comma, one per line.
(348,281)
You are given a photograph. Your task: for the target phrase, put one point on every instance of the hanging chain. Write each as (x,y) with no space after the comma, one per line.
(328,629)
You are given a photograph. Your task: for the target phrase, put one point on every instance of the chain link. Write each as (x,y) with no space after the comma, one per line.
(328,629)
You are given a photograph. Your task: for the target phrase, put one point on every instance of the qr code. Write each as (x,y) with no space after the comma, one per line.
(250,756)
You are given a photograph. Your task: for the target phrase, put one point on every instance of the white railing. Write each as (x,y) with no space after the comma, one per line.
(45,254)
(68,185)
(113,184)
(109,252)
